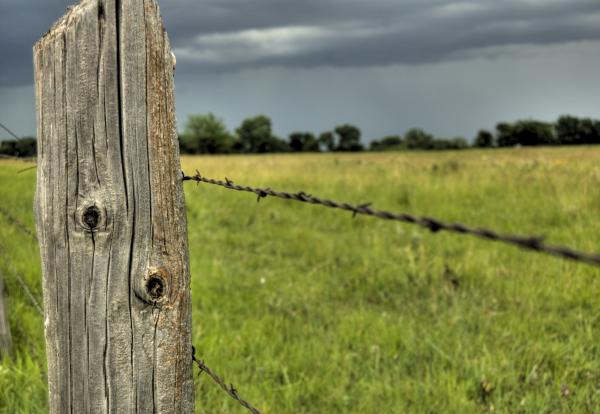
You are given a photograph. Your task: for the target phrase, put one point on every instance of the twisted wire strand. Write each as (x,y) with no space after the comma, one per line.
(18,224)
(532,243)
(28,293)
(20,280)
(4,127)
(229,389)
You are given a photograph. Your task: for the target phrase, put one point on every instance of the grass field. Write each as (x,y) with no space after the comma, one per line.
(307,310)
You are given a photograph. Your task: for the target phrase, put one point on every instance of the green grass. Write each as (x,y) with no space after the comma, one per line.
(307,310)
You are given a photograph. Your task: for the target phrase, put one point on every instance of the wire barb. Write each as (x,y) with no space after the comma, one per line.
(229,389)
(532,243)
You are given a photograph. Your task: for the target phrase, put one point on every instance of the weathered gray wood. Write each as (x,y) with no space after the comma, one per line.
(110,213)
(5,336)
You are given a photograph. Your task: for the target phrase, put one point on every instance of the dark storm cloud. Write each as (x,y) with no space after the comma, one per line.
(22,23)
(217,35)
(374,33)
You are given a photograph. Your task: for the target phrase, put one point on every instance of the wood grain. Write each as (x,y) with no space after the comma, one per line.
(110,213)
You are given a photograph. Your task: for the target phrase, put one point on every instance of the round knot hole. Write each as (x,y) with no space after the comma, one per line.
(91,217)
(155,286)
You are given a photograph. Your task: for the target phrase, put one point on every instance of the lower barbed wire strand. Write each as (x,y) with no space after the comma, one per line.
(19,278)
(229,389)
(21,281)
(532,243)
(17,223)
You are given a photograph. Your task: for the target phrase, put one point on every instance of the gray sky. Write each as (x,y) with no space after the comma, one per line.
(450,67)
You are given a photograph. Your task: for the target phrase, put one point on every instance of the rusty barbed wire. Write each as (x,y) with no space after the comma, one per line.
(229,389)
(532,243)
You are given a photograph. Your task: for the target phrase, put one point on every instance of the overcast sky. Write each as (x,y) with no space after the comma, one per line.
(450,67)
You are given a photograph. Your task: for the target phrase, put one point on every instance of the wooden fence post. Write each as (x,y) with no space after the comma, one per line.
(5,336)
(110,214)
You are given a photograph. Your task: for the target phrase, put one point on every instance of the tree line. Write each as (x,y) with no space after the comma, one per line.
(207,134)
(24,147)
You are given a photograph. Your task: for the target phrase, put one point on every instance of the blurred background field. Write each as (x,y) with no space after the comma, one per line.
(307,310)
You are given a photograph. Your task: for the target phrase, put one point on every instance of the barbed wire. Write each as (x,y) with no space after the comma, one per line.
(9,131)
(229,389)
(25,287)
(532,243)
(27,169)
(20,280)
(18,223)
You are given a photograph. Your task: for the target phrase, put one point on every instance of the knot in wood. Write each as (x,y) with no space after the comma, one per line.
(155,286)
(91,217)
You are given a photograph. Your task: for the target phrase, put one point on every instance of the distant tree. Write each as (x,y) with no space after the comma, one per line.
(9,147)
(591,131)
(596,128)
(255,135)
(24,147)
(393,142)
(206,134)
(27,147)
(569,130)
(303,142)
(418,139)
(527,133)
(531,133)
(484,139)
(348,138)
(507,136)
(278,145)
(327,141)
(573,131)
